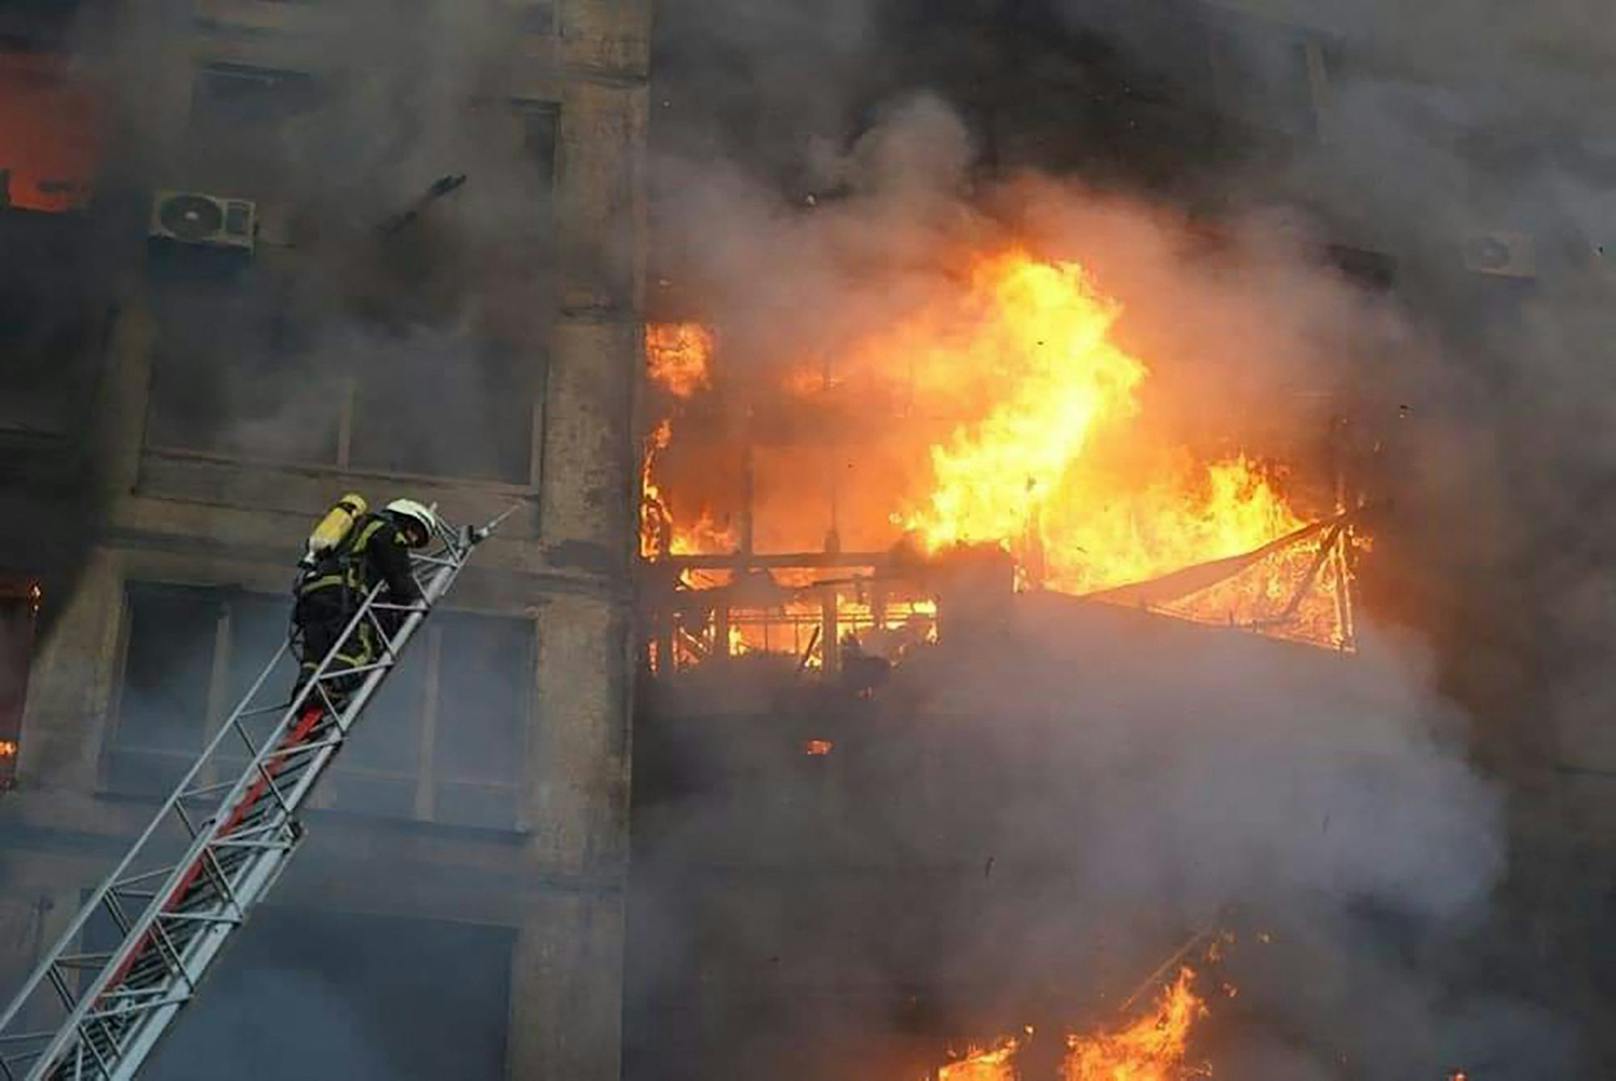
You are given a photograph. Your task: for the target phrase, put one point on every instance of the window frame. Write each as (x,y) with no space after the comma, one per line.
(426,783)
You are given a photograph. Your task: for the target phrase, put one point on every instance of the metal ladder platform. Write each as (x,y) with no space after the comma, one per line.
(209,856)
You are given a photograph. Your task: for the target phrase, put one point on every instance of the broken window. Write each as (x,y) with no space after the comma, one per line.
(442,741)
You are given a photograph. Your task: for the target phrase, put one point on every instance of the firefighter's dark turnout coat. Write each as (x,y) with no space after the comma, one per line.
(328,595)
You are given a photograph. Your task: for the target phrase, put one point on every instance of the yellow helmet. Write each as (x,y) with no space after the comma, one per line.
(417,514)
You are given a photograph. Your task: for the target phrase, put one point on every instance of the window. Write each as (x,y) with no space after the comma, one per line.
(247,124)
(427,358)
(256,393)
(377,998)
(442,742)
(439,405)
(19,603)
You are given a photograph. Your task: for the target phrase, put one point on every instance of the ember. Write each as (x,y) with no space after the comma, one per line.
(818,748)
(8,748)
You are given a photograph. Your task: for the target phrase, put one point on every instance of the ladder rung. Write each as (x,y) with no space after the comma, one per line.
(358,670)
(124,1012)
(107,996)
(299,748)
(128,880)
(83,960)
(198,917)
(207,790)
(250,845)
(259,711)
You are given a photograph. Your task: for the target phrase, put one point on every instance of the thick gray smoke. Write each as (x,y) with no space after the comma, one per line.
(1376,824)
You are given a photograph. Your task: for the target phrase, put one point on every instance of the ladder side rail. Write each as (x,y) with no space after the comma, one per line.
(87,911)
(141,928)
(267,864)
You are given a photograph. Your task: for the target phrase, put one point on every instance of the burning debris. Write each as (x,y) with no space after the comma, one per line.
(1004,414)
(1151,1047)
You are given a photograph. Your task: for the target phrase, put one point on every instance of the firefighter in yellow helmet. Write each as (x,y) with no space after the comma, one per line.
(374,548)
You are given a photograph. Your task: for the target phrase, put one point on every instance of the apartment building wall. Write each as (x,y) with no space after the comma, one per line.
(472,845)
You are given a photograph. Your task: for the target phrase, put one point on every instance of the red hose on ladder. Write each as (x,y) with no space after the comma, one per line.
(306,722)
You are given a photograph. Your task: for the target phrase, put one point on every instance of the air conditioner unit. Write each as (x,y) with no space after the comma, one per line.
(1505,255)
(209,221)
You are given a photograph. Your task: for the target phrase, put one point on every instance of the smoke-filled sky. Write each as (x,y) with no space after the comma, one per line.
(1431,126)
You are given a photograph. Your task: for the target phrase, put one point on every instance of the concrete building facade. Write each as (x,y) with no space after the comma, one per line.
(468,858)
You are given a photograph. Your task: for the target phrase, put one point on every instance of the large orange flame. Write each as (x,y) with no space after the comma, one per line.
(678,357)
(1153,1048)
(1025,425)
(1039,337)
(1038,333)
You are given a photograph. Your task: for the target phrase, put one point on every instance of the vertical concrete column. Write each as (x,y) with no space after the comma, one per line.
(567,969)
(123,398)
(579,754)
(586,500)
(71,685)
(567,989)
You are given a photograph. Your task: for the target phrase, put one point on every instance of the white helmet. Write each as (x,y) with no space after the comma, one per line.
(418,514)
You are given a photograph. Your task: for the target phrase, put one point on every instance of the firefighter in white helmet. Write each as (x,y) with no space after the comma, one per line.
(341,566)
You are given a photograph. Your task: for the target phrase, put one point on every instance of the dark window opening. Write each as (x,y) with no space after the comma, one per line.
(445,408)
(442,742)
(247,124)
(233,377)
(373,998)
(237,376)
(19,604)
(427,356)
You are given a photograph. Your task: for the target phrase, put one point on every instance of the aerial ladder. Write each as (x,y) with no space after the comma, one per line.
(93,1012)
